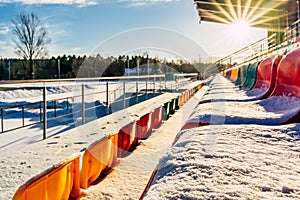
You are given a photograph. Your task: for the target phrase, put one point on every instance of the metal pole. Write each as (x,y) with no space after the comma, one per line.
(58,68)
(165,84)
(2,124)
(148,67)
(136,93)
(107,99)
(124,95)
(160,85)
(138,68)
(82,104)
(41,111)
(67,103)
(23,121)
(147,88)
(44,113)
(128,67)
(9,77)
(154,87)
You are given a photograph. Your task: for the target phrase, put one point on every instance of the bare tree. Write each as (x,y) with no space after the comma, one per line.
(32,38)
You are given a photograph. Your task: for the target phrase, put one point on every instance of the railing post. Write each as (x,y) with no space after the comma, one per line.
(2,124)
(67,103)
(147,88)
(44,113)
(165,83)
(124,95)
(160,85)
(23,122)
(54,108)
(154,87)
(136,92)
(107,99)
(82,105)
(41,111)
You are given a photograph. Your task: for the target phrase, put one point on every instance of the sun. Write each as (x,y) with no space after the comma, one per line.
(239,29)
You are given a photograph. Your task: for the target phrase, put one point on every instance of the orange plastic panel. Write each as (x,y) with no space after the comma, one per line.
(98,159)
(57,183)
(234,74)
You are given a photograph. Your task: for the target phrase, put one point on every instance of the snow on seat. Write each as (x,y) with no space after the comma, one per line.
(156,117)
(242,75)
(251,76)
(234,74)
(230,162)
(224,90)
(282,107)
(266,76)
(98,159)
(262,84)
(143,126)
(58,182)
(127,139)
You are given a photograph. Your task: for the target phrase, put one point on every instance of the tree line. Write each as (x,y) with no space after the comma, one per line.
(73,66)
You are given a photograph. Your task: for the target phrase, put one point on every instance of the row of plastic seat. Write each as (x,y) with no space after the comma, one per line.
(267,73)
(276,76)
(279,74)
(66,179)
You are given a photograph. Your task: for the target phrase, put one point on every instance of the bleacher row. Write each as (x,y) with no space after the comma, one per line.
(242,139)
(65,179)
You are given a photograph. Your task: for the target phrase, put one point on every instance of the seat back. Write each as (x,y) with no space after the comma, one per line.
(251,76)
(97,160)
(56,183)
(288,75)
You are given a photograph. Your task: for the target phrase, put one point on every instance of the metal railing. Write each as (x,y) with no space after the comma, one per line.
(253,51)
(119,93)
(263,47)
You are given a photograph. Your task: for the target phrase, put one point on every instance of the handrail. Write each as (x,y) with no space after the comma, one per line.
(81,79)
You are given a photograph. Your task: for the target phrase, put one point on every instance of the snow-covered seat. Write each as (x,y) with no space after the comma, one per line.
(230,162)
(283,105)
(58,182)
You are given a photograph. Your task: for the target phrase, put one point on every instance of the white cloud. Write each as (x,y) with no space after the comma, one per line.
(4,29)
(80,3)
(139,3)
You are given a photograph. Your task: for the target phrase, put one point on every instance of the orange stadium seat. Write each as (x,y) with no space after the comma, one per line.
(56,183)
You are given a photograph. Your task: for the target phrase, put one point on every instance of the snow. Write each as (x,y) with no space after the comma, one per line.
(24,155)
(230,162)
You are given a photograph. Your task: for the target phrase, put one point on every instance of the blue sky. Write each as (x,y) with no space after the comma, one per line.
(79,26)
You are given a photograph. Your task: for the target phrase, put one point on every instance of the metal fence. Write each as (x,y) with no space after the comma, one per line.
(105,95)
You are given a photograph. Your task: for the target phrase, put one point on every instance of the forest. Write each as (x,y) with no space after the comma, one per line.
(71,66)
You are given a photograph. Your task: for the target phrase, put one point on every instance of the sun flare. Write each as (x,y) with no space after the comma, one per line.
(239,29)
